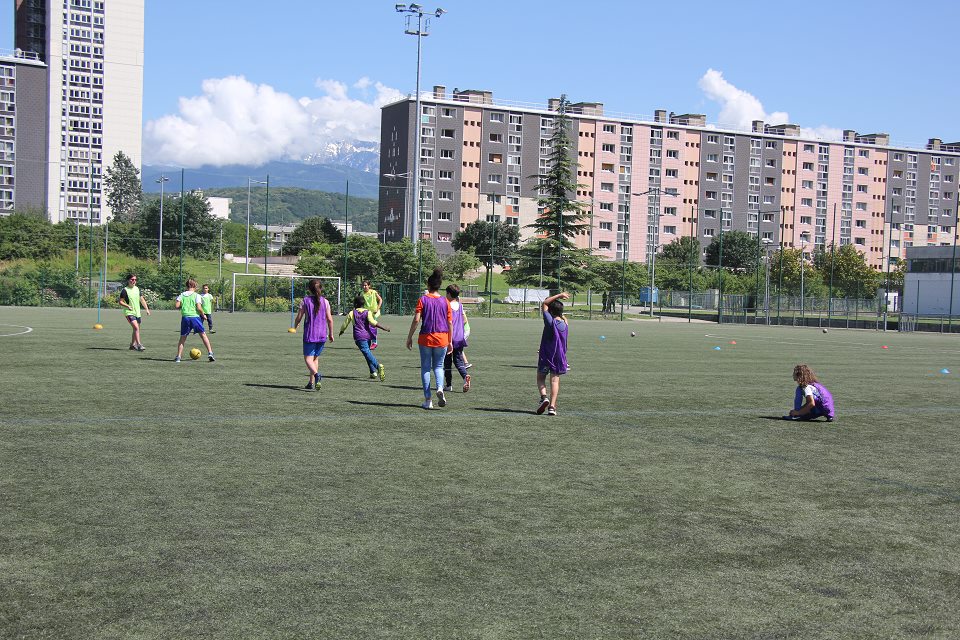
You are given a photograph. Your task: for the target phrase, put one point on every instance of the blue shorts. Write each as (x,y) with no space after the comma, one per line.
(313,349)
(130,319)
(190,323)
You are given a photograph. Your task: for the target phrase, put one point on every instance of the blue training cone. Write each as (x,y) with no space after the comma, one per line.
(602,338)
(716,348)
(944,371)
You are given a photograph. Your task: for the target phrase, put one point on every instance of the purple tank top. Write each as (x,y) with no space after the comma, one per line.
(553,344)
(825,400)
(361,325)
(459,341)
(314,320)
(433,318)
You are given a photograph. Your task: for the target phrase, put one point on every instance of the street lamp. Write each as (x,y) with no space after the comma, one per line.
(161,180)
(422,31)
(246,268)
(756,292)
(803,260)
(626,246)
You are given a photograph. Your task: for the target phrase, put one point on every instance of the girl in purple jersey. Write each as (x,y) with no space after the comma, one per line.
(455,357)
(553,352)
(363,334)
(316,331)
(436,336)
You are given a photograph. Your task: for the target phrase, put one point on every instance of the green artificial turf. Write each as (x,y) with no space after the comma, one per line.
(144,498)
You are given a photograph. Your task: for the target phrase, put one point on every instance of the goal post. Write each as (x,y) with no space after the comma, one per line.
(293,286)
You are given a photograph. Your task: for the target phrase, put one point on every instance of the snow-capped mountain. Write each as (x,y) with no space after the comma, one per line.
(365,157)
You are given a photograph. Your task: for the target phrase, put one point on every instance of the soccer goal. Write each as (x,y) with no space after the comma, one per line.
(249,287)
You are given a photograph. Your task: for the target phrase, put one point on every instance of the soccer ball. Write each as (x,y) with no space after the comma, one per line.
(824,329)
(633,334)
(195,354)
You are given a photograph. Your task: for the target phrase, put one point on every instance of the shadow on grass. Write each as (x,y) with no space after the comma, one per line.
(381,404)
(777,418)
(503,410)
(104,349)
(170,360)
(522,366)
(273,386)
(408,388)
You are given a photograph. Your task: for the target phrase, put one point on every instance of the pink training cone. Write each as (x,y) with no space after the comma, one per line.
(733,342)
(884,347)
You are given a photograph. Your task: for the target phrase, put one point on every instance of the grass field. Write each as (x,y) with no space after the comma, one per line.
(143,498)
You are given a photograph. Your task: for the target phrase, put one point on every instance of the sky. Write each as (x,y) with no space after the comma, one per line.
(246,81)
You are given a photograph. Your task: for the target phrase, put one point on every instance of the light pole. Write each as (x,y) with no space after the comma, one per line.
(106,235)
(766,278)
(803,265)
(266,241)
(626,247)
(246,267)
(161,180)
(756,292)
(77,220)
(422,31)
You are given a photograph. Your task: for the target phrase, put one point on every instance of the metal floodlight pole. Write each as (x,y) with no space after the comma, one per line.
(833,262)
(803,268)
(77,220)
(886,292)
(953,262)
(266,241)
(346,228)
(183,202)
(161,180)
(720,275)
(422,31)
(106,236)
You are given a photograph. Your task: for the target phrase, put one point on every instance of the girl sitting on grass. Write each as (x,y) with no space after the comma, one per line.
(812,399)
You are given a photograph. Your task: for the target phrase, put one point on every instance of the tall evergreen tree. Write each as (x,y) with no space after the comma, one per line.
(124,191)
(562,217)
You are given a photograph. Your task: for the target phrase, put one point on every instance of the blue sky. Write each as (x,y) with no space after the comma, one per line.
(319,70)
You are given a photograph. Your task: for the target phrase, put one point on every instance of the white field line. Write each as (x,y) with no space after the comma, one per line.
(17,333)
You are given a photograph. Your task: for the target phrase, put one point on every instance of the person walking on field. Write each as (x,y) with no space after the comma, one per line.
(459,337)
(131,301)
(207,303)
(372,302)
(317,330)
(435,318)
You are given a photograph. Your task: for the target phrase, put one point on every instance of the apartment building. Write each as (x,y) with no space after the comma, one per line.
(647,182)
(93,53)
(23,142)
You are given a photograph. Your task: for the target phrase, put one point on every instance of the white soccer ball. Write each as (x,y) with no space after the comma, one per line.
(633,334)
(824,329)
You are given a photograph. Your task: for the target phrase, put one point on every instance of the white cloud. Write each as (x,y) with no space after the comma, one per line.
(739,108)
(235,121)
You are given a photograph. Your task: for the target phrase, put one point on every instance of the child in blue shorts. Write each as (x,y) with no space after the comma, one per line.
(191,318)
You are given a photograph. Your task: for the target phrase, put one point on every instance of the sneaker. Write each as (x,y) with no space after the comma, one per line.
(427,404)
(317,377)
(373,345)
(212,331)
(544,403)
(466,383)
(211,358)
(448,387)
(140,347)
(381,373)
(177,359)
(468,365)
(310,386)
(552,411)
(373,376)
(133,347)
(441,399)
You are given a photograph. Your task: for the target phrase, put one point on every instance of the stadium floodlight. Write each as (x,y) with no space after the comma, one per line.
(422,30)
(246,267)
(161,180)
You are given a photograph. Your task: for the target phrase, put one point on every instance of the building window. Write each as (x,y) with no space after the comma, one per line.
(443,215)
(609,128)
(443,236)
(671,230)
(496,158)
(496,137)
(446,154)
(606,187)
(606,226)
(495,178)
(609,148)
(446,175)
(496,116)
(445,195)
(604,245)
(446,133)
(712,139)
(808,166)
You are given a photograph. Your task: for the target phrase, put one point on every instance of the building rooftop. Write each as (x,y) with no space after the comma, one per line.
(595,110)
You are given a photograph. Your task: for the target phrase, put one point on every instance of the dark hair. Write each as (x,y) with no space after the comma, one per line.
(454,291)
(555,308)
(315,288)
(359,301)
(435,279)
(191,283)
(366,282)
(131,275)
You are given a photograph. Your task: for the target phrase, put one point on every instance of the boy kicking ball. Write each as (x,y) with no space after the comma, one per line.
(191,319)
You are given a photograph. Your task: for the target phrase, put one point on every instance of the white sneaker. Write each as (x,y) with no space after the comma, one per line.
(427,404)
(449,387)
(441,399)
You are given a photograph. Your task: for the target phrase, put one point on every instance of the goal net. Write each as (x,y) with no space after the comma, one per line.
(278,292)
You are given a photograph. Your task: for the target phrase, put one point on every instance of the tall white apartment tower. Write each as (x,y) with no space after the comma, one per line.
(94,52)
